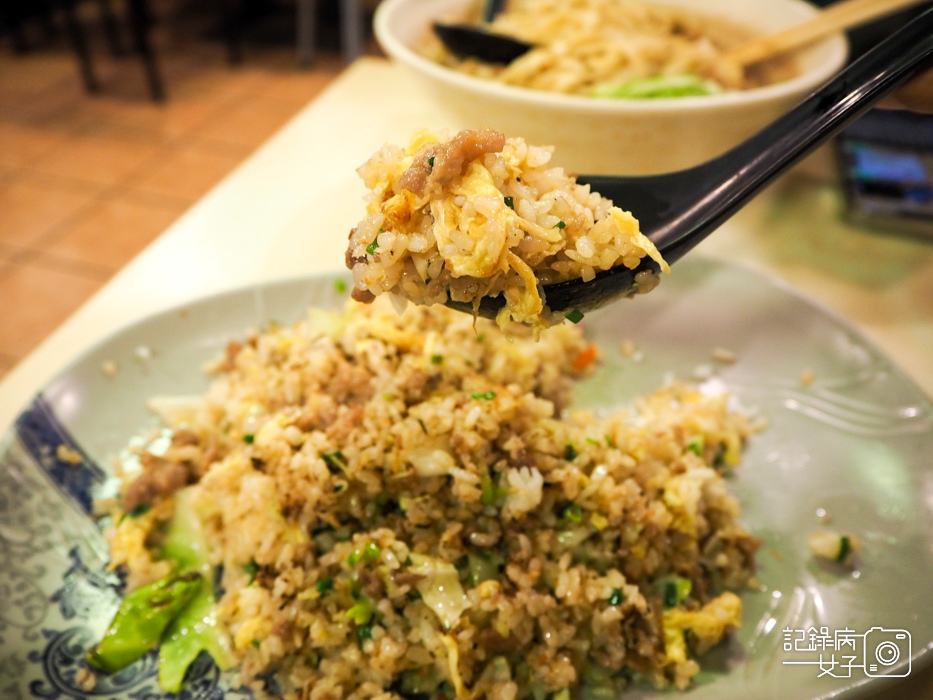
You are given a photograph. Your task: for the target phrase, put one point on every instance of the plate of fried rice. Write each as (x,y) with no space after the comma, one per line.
(281,492)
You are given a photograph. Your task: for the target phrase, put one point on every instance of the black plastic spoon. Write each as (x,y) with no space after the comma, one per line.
(678,210)
(475,41)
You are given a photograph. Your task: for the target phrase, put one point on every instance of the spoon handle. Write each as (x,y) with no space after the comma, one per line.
(733,178)
(835,18)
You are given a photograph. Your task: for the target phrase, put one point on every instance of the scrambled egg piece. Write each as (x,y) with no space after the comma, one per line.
(708,626)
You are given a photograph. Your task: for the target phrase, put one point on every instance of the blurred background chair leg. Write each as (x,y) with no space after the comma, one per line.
(306,26)
(111,27)
(140,21)
(78,40)
(351,29)
(233,18)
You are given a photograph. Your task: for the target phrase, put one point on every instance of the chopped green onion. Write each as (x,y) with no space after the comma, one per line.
(570,452)
(255,643)
(340,286)
(372,553)
(251,569)
(437,359)
(248,438)
(361,612)
(431,162)
(573,513)
(335,461)
(616,598)
(492,495)
(695,445)
(324,585)
(482,566)
(424,428)
(368,555)
(488,396)
(355,588)
(141,509)
(674,590)
(574,316)
(845,548)
(371,248)
(592,440)
(559,224)
(364,632)
(509,202)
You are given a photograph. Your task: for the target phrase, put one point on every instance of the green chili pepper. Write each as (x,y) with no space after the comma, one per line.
(142,619)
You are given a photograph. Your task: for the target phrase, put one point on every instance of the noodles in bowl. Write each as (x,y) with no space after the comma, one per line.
(619,49)
(612,136)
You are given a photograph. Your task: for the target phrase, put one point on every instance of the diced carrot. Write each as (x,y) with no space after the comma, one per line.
(585,358)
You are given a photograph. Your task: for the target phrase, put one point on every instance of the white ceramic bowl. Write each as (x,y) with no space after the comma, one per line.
(613,136)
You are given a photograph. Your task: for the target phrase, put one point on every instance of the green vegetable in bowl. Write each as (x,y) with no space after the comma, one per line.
(195,629)
(142,619)
(660,86)
(177,613)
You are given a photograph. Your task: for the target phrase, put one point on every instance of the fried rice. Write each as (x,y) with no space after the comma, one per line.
(480,215)
(408,506)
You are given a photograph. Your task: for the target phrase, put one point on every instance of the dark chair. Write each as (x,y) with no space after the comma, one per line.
(16,15)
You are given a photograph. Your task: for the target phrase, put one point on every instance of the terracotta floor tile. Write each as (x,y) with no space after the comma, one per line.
(188,171)
(102,154)
(30,76)
(34,301)
(33,206)
(178,116)
(113,232)
(86,181)
(249,122)
(21,144)
(7,253)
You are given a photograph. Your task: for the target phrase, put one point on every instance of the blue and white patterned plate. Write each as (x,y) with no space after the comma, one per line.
(856,443)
